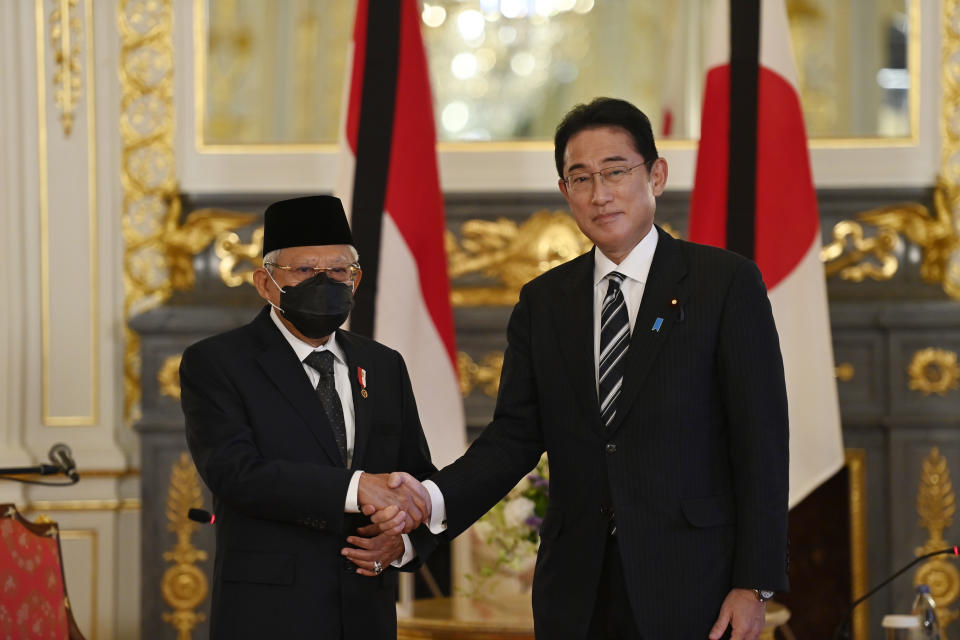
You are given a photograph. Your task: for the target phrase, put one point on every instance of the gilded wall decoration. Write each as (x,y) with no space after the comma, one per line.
(234,254)
(936,504)
(65,29)
(855,258)
(183,586)
(511,254)
(159,249)
(855,460)
(169,377)
(483,375)
(844,372)
(933,371)
(502,250)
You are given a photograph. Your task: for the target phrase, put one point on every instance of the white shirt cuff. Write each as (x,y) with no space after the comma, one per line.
(409,553)
(352,503)
(438,514)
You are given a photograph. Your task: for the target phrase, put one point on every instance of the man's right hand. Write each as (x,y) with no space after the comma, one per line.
(409,500)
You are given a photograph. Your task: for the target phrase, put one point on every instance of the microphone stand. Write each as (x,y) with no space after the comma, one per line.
(40,470)
(842,632)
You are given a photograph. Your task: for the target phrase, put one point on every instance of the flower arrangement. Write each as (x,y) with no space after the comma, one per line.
(511,529)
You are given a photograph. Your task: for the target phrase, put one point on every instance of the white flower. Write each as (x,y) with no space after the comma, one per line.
(517,510)
(483,529)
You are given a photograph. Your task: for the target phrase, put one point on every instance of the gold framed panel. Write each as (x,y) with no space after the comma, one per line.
(93,537)
(201,146)
(855,459)
(66,85)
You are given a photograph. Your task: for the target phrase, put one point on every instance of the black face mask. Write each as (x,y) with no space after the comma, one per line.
(316,306)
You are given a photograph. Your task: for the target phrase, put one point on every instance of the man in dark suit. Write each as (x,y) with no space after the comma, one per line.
(649,369)
(293,424)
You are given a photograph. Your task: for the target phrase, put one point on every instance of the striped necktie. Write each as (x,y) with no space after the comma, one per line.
(614,340)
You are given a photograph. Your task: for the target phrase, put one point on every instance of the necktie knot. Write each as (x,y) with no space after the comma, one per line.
(616,279)
(321,362)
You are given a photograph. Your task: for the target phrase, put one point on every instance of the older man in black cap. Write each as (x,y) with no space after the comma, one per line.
(294,423)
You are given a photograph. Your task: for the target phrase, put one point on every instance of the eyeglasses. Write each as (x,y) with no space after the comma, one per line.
(582,181)
(340,274)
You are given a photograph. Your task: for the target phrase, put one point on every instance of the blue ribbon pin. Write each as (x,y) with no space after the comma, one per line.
(657,324)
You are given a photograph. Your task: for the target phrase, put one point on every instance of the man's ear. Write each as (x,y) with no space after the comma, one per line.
(262,282)
(658,176)
(562,184)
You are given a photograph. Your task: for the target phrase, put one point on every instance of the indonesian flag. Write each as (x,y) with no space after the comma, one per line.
(389,185)
(753,193)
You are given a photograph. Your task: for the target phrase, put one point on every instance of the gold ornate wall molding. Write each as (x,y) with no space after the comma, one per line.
(65,29)
(234,254)
(483,375)
(511,254)
(855,460)
(933,370)
(854,258)
(183,586)
(159,249)
(844,372)
(504,251)
(168,377)
(936,504)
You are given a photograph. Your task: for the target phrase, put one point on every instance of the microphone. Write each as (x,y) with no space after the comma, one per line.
(202,516)
(61,456)
(842,632)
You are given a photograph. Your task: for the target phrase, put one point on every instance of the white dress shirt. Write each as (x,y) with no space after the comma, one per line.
(636,268)
(341,379)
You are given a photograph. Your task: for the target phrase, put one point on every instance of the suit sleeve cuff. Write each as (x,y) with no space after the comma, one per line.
(438,513)
(352,502)
(409,553)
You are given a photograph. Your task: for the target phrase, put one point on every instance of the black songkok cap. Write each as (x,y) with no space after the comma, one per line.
(305,222)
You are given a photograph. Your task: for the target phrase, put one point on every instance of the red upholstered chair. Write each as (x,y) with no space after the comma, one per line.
(33,592)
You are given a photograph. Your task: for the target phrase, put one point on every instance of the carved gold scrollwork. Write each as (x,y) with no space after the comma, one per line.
(947,198)
(933,371)
(159,249)
(849,254)
(936,505)
(184,586)
(937,233)
(169,377)
(67,77)
(510,254)
(484,375)
(233,254)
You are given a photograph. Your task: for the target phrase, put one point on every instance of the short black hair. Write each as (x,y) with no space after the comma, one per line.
(605,112)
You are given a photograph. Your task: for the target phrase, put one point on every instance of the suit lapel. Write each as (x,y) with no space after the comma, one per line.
(362,413)
(574,324)
(283,369)
(666,271)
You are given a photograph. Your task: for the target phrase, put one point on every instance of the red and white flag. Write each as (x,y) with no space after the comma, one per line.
(754,194)
(390,187)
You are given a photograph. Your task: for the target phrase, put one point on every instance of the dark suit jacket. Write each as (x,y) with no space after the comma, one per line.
(694,466)
(262,443)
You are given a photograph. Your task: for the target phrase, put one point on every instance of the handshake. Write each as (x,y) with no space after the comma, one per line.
(396,502)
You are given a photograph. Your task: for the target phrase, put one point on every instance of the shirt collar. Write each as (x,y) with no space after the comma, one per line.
(635,266)
(301,348)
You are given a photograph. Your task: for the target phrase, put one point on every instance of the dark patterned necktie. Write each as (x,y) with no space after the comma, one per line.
(614,340)
(322,362)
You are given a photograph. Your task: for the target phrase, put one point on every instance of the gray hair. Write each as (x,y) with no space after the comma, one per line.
(274,258)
